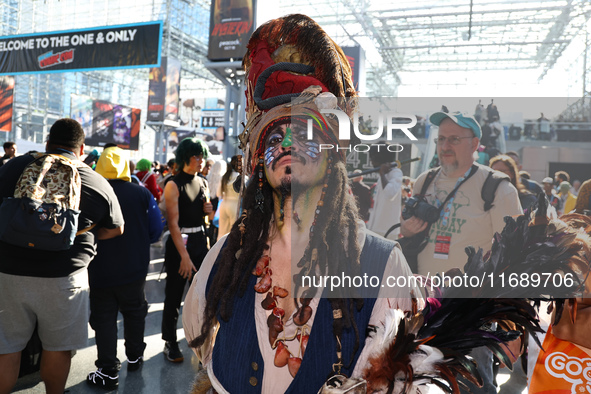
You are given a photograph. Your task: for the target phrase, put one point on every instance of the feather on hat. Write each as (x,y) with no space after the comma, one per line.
(285,58)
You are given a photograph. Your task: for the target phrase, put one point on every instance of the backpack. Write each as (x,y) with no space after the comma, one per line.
(487,193)
(412,246)
(145,178)
(43,214)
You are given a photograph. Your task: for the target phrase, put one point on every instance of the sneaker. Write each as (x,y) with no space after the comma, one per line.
(102,378)
(134,365)
(173,353)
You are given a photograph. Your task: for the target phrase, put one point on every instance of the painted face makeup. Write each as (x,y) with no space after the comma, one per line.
(309,148)
(285,136)
(287,140)
(270,154)
(280,136)
(312,149)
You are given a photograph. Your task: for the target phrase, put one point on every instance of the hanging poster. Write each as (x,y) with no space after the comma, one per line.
(98,48)
(231,25)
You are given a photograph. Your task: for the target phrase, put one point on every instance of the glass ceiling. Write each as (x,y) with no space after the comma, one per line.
(408,44)
(413,37)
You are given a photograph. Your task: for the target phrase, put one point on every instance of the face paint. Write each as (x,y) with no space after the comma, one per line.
(309,148)
(272,151)
(287,139)
(312,149)
(270,154)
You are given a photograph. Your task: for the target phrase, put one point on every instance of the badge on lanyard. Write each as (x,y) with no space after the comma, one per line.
(442,243)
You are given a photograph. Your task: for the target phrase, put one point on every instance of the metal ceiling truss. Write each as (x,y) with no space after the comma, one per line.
(184,40)
(448,35)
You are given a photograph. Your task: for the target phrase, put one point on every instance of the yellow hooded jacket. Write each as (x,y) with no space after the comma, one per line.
(112,164)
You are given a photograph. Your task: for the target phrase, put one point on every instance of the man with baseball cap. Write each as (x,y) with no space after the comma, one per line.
(463,218)
(456,188)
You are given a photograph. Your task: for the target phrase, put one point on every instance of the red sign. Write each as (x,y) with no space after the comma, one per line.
(6,100)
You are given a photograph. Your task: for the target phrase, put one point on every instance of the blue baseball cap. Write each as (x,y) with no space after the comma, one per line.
(461,119)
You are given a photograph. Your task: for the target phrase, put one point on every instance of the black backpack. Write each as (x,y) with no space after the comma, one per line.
(412,246)
(488,191)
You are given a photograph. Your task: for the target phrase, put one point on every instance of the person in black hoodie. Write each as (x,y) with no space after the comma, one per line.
(117,275)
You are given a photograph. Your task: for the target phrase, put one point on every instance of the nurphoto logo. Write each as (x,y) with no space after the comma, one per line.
(387,122)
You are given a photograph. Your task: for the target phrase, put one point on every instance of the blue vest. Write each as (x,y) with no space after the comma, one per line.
(237,361)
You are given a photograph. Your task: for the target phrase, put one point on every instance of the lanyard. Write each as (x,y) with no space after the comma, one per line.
(448,202)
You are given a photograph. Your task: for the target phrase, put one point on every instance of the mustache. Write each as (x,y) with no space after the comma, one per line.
(447,152)
(299,157)
(294,155)
(281,155)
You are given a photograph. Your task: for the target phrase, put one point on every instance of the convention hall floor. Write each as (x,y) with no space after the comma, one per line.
(157,374)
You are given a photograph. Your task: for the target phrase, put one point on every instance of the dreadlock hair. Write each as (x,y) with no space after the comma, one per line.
(336,226)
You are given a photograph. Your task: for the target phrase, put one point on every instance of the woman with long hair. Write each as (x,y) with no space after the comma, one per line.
(218,169)
(507,165)
(228,208)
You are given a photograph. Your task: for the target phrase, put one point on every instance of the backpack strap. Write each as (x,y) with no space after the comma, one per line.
(430,176)
(489,188)
(86,229)
(37,155)
(145,178)
(75,162)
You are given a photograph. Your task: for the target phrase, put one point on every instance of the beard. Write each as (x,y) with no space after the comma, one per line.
(285,186)
(449,167)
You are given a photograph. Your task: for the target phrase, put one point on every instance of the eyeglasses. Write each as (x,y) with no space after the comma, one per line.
(454,140)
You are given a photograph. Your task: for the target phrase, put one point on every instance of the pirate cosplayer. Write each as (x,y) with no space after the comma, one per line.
(252,323)
(258,327)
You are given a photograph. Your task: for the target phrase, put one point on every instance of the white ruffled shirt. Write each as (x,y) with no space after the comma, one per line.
(277,380)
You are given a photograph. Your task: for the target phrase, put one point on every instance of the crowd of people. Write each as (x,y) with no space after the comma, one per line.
(255,315)
(107,263)
(382,211)
(561,128)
